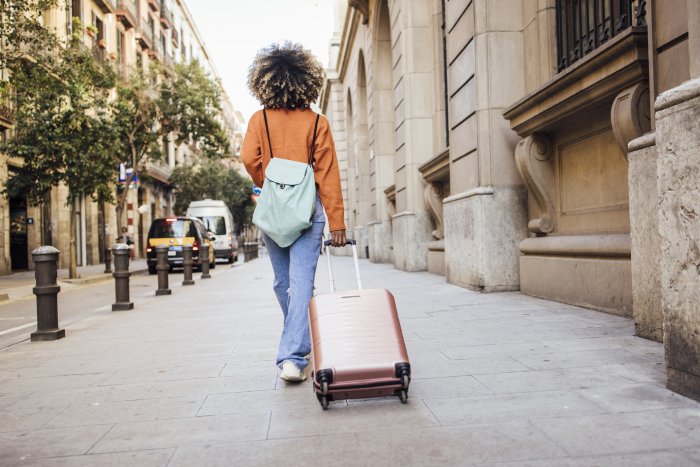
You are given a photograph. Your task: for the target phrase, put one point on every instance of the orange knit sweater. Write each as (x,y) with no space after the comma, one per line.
(291,132)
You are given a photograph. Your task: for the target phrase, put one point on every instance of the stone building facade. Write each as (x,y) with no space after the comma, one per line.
(129,34)
(517,145)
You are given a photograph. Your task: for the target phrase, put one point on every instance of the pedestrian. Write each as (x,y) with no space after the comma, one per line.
(286,79)
(128,239)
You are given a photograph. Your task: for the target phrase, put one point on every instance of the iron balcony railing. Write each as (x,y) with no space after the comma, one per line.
(7,106)
(585,25)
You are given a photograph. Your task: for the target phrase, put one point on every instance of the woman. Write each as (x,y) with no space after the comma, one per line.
(286,80)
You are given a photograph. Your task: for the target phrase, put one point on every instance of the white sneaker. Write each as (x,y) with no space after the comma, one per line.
(291,372)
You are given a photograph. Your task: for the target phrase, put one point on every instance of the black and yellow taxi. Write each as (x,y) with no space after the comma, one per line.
(176,232)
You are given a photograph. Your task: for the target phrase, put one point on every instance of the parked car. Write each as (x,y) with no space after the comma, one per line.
(218,219)
(176,232)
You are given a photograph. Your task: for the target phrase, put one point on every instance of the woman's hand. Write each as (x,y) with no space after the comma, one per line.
(338,238)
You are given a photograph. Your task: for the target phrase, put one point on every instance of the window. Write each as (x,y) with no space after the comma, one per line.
(584,25)
(77,9)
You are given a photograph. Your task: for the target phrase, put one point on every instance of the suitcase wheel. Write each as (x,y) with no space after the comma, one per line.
(405,379)
(403,396)
(324,402)
(324,388)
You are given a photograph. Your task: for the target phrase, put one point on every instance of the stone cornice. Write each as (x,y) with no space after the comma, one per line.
(615,66)
(437,168)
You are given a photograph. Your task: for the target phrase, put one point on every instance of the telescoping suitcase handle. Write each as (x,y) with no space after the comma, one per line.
(327,244)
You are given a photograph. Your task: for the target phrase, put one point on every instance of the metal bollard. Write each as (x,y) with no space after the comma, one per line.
(46,291)
(204,255)
(121,277)
(163,269)
(108,261)
(187,265)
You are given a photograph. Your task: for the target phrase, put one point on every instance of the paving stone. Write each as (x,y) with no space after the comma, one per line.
(455,386)
(259,401)
(58,382)
(126,411)
(134,436)
(506,407)
(21,445)
(583,358)
(48,397)
(204,386)
(636,397)
(387,413)
(152,458)
(549,380)
(457,445)
(647,459)
(164,374)
(623,433)
(28,419)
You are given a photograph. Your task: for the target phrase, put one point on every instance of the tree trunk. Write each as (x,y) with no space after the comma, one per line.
(73,251)
(121,205)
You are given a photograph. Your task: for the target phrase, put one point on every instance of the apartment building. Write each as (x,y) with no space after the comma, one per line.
(546,146)
(128,34)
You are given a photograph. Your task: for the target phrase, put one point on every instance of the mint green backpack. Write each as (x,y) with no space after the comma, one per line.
(288,198)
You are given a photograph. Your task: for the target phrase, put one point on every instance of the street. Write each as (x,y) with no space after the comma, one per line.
(189,379)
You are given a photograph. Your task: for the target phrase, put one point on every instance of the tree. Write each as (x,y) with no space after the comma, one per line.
(22,34)
(148,107)
(135,117)
(213,180)
(191,103)
(63,132)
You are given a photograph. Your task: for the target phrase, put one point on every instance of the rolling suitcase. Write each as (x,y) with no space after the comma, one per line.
(356,342)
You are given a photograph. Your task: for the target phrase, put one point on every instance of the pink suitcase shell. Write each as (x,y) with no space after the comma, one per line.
(357,344)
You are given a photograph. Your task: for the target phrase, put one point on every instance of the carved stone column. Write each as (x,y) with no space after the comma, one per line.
(533,159)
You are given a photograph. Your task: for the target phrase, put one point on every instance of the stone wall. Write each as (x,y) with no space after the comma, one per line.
(678,177)
(644,234)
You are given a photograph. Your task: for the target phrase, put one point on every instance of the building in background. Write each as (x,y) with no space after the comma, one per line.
(489,141)
(129,34)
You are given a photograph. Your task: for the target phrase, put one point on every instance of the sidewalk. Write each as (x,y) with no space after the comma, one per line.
(189,380)
(19,285)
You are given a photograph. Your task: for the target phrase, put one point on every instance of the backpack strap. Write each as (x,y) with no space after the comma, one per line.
(312,151)
(267,130)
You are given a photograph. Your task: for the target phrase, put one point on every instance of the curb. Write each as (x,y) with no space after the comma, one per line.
(91,280)
(98,278)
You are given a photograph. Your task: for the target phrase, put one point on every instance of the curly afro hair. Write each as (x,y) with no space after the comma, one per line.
(286,76)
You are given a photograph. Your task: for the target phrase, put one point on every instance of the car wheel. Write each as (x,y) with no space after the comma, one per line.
(152,269)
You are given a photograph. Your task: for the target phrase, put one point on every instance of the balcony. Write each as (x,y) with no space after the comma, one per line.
(127,13)
(106,6)
(585,25)
(7,107)
(156,51)
(154,4)
(175,37)
(166,17)
(145,36)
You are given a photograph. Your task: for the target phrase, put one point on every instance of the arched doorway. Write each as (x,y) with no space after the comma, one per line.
(382,136)
(363,179)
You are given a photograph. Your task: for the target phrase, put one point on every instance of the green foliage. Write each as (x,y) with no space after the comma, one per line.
(22,33)
(135,116)
(190,104)
(213,180)
(63,132)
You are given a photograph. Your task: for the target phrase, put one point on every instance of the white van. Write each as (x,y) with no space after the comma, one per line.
(218,219)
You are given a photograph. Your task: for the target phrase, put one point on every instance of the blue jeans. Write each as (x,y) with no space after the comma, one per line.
(295,270)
